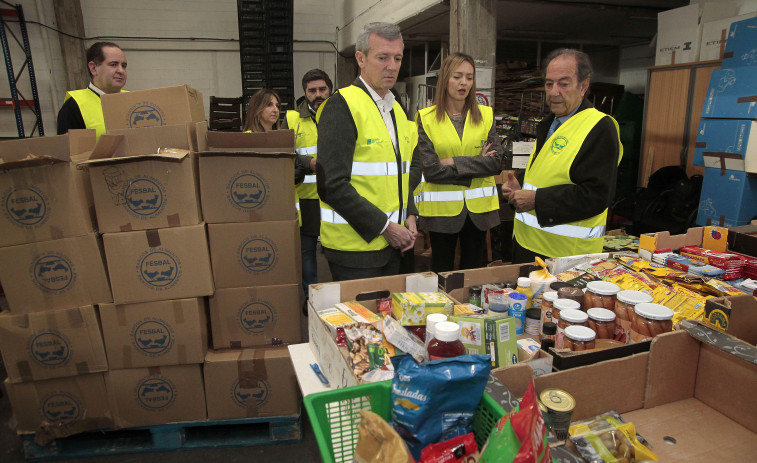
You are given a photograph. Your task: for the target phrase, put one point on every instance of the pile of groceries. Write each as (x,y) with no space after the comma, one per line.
(438,353)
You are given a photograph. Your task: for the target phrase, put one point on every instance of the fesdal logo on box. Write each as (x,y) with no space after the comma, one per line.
(152,336)
(256,316)
(247,190)
(145,114)
(144,197)
(50,349)
(159,269)
(53,272)
(155,393)
(254,392)
(257,254)
(26,207)
(61,407)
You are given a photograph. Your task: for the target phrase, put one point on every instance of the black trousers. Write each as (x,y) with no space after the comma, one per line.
(522,255)
(341,273)
(472,248)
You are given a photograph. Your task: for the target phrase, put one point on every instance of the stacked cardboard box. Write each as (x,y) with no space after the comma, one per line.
(148,207)
(727,138)
(247,193)
(53,272)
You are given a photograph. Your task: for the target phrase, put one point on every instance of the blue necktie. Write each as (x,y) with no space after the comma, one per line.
(552,128)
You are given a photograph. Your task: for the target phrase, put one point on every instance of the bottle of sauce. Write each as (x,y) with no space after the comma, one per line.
(446,342)
(431,320)
(549,331)
(524,287)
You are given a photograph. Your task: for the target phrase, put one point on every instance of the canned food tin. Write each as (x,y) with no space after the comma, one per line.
(559,405)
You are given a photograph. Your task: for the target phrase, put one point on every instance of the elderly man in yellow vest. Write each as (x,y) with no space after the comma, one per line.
(82,109)
(561,210)
(363,168)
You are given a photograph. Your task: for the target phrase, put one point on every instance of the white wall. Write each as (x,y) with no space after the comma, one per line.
(315,22)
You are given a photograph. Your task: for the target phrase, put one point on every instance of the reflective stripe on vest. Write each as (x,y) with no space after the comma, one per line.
(331,216)
(306,144)
(482,192)
(309,179)
(307,150)
(378,168)
(570,231)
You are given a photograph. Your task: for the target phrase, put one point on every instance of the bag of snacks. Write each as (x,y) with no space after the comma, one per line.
(607,438)
(436,401)
(366,346)
(456,450)
(378,442)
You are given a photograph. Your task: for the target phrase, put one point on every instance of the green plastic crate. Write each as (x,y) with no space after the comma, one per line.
(335,416)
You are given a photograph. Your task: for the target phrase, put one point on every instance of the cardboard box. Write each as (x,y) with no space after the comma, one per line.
(155,265)
(715,38)
(57,274)
(492,334)
(735,315)
(687,388)
(151,108)
(53,344)
(256,316)
(138,184)
(155,333)
(44,196)
(606,349)
(155,395)
(732,94)
(743,239)
(712,238)
(539,360)
(247,177)
(727,144)
(332,359)
(452,282)
(249,383)
(678,35)
(740,49)
(728,198)
(60,407)
(255,253)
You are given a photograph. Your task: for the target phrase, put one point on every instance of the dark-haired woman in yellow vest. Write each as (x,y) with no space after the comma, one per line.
(460,151)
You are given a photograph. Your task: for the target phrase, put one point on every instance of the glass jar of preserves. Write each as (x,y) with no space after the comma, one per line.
(547,302)
(572,293)
(475,295)
(602,321)
(626,302)
(563,304)
(600,294)
(579,338)
(446,342)
(651,319)
(568,317)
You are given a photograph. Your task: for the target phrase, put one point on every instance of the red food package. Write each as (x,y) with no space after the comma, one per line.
(454,450)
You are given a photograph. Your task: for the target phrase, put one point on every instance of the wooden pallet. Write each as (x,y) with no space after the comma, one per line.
(174,436)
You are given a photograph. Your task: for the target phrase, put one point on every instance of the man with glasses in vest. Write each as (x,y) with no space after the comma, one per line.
(82,108)
(363,168)
(561,209)
(317,87)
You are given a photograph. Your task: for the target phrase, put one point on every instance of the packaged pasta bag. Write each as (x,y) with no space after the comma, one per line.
(520,436)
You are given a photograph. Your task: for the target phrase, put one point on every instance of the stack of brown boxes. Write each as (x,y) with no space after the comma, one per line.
(247,191)
(53,271)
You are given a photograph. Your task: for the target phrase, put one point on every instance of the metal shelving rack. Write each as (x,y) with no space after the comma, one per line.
(266,37)
(17,101)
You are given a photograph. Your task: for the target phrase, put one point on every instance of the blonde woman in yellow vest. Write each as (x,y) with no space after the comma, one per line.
(561,209)
(82,108)
(460,151)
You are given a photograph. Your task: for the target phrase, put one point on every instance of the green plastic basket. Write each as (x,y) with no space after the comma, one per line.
(335,416)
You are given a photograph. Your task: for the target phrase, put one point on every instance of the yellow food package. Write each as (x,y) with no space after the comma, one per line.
(609,439)
(631,282)
(723,287)
(378,442)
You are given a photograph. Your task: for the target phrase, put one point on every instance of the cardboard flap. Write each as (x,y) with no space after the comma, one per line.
(515,378)
(28,152)
(81,141)
(743,239)
(464,278)
(127,145)
(663,240)
(672,376)
(276,143)
(106,146)
(327,295)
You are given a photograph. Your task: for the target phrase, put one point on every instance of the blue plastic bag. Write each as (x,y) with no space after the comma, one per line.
(436,401)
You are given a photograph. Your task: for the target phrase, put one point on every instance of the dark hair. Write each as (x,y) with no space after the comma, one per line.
(316,74)
(583,63)
(95,53)
(258,102)
(441,97)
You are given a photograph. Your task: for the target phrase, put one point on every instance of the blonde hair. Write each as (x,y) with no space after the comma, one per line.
(441,98)
(258,102)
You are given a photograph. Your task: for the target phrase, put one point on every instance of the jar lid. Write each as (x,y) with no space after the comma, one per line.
(633,297)
(475,288)
(517,296)
(447,331)
(432,319)
(604,288)
(602,315)
(569,291)
(533,313)
(550,296)
(573,316)
(555,285)
(566,304)
(549,328)
(580,333)
(653,311)
(524,281)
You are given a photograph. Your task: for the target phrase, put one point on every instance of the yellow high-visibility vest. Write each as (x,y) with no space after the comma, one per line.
(306,143)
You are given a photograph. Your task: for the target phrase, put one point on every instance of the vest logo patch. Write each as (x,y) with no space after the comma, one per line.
(558,144)
(374,141)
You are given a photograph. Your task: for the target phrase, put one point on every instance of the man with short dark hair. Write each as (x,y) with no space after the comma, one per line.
(363,168)
(570,177)
(317,87)
(82,109)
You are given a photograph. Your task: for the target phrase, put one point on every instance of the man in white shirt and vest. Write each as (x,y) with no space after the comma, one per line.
(363,166)
(561,209)
(317,87)
(82,108)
